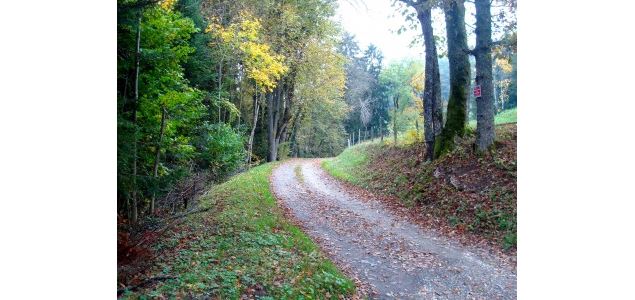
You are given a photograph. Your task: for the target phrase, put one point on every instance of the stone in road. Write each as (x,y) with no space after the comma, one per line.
(396,258)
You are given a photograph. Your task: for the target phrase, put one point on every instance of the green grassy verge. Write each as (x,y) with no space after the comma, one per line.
(346,166)
(504,117)
(244,246)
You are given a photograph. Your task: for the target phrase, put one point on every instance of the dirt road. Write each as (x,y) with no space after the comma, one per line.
(391,256)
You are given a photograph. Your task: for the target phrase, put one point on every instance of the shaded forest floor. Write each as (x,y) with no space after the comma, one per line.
(240,247)
(466,196)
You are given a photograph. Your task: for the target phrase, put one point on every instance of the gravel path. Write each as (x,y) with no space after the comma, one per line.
(390,256)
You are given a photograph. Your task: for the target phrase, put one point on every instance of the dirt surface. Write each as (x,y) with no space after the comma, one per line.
(389,256)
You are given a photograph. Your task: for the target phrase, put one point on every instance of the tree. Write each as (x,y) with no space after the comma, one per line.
(148,59)
(368,108)
(293,24)
(432,106)
(317,127)
(483,52)
(459,77)
(399,83)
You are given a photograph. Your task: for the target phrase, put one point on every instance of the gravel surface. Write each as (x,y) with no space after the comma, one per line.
(389,256)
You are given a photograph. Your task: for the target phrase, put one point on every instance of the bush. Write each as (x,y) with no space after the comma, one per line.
(222,149)
(413,136)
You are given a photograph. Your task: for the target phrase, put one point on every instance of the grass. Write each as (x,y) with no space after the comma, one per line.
(243,247)
(504,117)
(298,173)
(347,165)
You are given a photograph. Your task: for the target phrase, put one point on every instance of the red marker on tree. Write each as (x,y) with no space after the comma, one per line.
(477,91)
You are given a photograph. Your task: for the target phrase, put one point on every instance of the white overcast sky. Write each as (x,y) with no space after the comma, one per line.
(371,22)
(376,22)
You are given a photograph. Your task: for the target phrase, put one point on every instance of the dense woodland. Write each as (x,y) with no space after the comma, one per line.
(207,88)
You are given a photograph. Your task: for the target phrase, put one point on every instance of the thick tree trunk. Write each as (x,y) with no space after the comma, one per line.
(459,77)
(157,155)
(284,112)
(485,104)
(432,106)
(134,214)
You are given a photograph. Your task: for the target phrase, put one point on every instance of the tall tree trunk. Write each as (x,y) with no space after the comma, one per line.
(485,104)
(240,103)
(253,129)
(220,82)
(394,119)
(432,106)
(135,215)
(284,113)
(459,77)
(272,110)
(157,154)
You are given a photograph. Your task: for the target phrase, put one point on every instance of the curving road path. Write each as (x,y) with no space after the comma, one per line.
(389,255)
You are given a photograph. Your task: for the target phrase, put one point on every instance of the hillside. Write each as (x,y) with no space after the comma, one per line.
(467,196)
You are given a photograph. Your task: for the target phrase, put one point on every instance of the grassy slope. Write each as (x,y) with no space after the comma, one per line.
(504,117)
(244,246)
(486,208)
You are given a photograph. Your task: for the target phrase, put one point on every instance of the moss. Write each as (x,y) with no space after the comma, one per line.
(455,124)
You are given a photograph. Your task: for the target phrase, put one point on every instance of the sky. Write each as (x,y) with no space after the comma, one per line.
(371,21)
(376,22)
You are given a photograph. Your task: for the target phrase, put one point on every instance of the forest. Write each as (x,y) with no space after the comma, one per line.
(209,88)
(219,100)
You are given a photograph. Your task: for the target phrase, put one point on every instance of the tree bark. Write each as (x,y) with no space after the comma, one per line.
(157,155)
(253,130)
(485,104)
(459,77)
(285,114)
(432,106)
(273,101)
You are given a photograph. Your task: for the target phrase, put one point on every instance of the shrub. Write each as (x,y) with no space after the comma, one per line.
(222,149)
(413,136)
